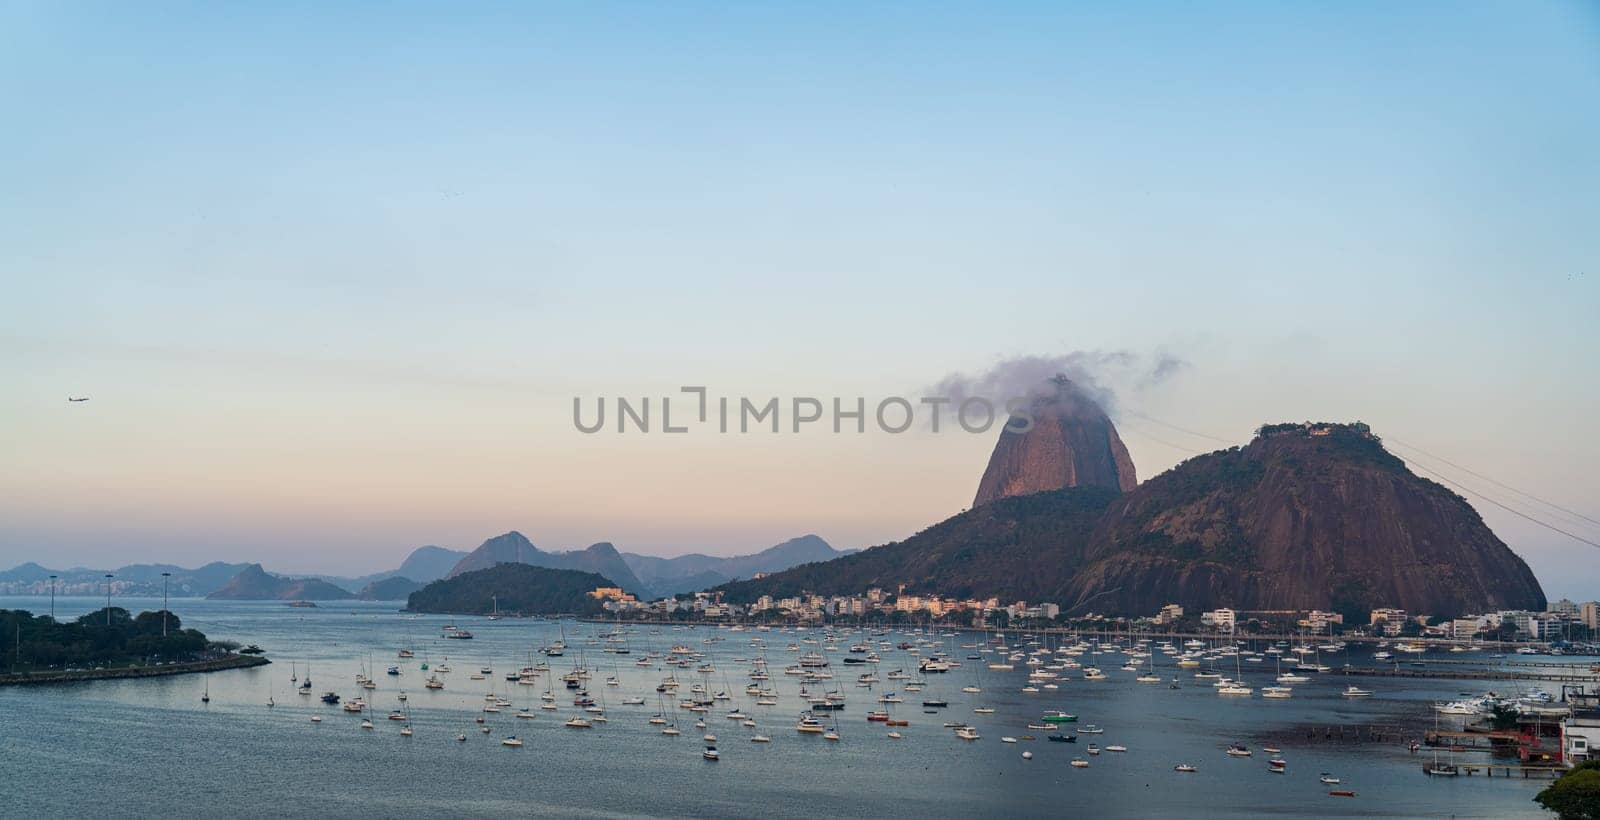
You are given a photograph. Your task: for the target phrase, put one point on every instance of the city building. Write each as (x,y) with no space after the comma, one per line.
(1220,619)
(1580,739)
(1171,613)
(1563,609)
(1388,621)
(1465,628)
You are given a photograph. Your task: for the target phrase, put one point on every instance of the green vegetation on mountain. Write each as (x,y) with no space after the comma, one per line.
(39,642)
(519,589)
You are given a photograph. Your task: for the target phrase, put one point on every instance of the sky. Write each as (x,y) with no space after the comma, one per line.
(333,274)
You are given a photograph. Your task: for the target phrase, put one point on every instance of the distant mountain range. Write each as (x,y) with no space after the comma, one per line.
(693,572)
(644,575)
(394,588)
(133,579)
(256,584)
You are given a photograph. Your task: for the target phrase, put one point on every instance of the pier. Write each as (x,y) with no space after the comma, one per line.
(1469,741)
(1573,674)
(1489,769)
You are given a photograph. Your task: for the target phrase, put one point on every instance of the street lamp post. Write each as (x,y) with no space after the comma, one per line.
(164,577)
(108,599)
(52,597)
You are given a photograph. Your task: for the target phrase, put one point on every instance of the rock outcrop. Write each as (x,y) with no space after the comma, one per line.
(1072,443)
(1307,516)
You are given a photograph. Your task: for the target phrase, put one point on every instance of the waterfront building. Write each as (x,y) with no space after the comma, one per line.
(1220,619)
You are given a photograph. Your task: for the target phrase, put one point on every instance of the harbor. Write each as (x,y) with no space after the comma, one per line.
(887,718)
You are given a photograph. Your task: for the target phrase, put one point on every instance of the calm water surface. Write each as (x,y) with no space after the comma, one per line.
(141,748)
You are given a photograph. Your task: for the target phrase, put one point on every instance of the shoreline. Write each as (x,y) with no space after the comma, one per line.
(193,667)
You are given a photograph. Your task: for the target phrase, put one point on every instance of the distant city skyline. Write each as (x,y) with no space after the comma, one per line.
(331,279)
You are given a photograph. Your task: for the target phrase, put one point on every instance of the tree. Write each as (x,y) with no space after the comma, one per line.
(1575,795)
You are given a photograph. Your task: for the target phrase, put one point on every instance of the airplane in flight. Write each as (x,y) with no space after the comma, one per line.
(77,398)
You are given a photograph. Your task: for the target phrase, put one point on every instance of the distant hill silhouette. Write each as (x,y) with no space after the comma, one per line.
(519,588)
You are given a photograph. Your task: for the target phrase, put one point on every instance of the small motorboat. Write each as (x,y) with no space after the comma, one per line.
(511,741)
(1329,779)
(1079,763)
(1341,793)
(316,718)
(1008,739)
(1062,738)
(711,753)
(1184,767)
(1115,748)
(1238,750)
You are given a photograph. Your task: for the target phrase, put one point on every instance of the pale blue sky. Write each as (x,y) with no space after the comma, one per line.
(333,275)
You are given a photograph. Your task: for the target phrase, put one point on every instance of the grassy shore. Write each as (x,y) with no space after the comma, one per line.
(212,665)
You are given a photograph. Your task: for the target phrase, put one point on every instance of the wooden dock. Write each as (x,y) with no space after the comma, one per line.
(1431,671)
(1489,769)
(1471,741)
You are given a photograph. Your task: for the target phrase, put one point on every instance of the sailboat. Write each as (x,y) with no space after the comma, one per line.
(1150,676)
(206,698)
(1437,770)
(1291,677)
(1237,687)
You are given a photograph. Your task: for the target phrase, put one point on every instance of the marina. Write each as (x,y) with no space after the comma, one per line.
(726,719)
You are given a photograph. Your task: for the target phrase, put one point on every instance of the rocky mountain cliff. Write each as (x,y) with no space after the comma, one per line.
(1304,517)
(1072,444)
(515,548)
(1315,515)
